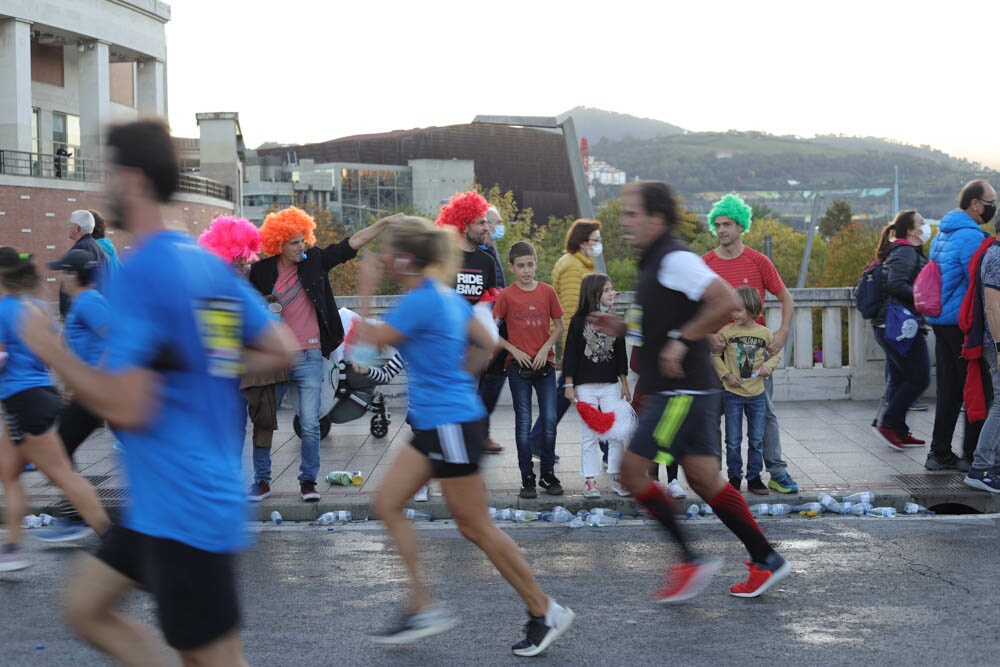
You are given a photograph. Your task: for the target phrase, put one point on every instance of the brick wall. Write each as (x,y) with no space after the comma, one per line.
(33,219)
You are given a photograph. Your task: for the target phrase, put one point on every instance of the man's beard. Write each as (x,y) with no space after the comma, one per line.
(116,212)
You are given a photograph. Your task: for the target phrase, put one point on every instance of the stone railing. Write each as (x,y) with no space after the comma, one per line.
(823,316)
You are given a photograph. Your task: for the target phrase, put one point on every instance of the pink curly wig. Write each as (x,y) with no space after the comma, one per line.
(284,225)
(461,209)
(231,238)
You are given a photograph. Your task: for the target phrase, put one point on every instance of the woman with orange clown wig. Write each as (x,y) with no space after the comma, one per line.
(236,240)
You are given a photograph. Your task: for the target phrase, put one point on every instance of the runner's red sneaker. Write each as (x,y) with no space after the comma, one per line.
(762,576)
(686,580)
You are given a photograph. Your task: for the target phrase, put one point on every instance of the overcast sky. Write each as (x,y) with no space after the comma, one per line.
(310,70)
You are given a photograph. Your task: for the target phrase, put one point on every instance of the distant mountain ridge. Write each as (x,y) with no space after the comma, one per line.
(596,124)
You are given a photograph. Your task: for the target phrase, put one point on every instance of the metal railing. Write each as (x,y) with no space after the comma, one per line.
(48,165)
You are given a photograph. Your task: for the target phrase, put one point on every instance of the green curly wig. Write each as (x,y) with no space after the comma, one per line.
(733,207)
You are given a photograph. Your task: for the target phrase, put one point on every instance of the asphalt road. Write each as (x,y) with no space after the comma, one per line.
(903,591)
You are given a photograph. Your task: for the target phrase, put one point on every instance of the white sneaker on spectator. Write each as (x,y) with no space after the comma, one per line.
(675,490)
(422,494)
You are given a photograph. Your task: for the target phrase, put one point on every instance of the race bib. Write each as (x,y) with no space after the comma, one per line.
(220,323)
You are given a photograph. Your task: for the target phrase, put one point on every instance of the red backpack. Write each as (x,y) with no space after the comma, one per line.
(927,290)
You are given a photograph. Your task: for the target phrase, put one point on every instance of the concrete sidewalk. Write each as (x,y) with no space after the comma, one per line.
(829,445)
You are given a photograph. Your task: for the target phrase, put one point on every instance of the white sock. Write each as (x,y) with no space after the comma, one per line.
(553,613)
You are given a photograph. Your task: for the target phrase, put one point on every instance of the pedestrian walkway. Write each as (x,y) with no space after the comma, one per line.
(829,445)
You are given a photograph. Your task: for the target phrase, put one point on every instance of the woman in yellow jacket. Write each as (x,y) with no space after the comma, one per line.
(583,244)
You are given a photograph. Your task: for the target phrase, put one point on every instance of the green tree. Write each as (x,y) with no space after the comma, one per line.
(787,246)
(837,216)
(849,250)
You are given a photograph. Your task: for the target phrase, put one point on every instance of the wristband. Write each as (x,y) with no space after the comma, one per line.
(675,334)
(567,385)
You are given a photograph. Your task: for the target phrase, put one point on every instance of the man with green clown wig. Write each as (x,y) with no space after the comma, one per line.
(742,266)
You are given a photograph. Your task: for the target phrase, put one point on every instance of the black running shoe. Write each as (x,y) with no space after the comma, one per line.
(528,487)
(411,627)
(550,483)
(538,636)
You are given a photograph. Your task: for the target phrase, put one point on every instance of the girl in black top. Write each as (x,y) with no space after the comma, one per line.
(593,365)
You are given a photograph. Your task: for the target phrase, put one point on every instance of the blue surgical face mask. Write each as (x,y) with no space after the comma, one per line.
(603,308)
(497,233)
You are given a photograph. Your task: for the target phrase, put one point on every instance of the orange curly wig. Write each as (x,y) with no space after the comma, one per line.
(284,225)
(461,209)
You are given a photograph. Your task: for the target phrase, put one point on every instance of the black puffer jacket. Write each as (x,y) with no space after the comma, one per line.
(899,270)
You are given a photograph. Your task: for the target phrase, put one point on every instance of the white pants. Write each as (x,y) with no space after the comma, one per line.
(605,396)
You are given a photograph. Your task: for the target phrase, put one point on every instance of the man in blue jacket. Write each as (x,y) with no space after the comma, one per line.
(958,238)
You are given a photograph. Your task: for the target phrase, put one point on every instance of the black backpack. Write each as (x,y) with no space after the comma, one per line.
(867,292)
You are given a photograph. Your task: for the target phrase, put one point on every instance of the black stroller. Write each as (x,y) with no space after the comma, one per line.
(355,395)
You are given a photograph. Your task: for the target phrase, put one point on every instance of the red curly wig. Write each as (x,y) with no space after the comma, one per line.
(282,226)
(461,209)
(231,238)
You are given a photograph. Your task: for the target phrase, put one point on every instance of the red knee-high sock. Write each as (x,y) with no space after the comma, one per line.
(661,507)
(733,510)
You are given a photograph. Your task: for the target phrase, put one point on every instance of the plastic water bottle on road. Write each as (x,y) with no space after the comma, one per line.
(559,514)
(830,504)
(760,509)
(885,512)
(911,509)
(706,510)
(523,516)
(276,517)
(417,515)
(808,507)
(857,509)
(693,510)
(603,519)
(779,509)
(862,497)
(577,522)
(329,518)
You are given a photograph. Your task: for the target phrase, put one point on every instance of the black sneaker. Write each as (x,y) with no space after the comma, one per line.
(983,479)
(757,486)
(735,482)
(411,627)
(944,462)
(528,487)
(538,636)
(551,484)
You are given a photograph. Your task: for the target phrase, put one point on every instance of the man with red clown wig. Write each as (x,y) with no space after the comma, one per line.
(294,277)
(476,278)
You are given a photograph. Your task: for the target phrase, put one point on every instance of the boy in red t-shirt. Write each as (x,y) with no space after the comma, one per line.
(534,323)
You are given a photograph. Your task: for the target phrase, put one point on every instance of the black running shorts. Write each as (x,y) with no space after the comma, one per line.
(453,449)
(194,590)
(672,426)
(33,411)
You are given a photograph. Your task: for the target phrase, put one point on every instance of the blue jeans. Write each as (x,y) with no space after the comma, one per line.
(520,392)
(307,374)
(755,408)
(909,376)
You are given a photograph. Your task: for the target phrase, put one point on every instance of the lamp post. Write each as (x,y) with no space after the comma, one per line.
(583,203)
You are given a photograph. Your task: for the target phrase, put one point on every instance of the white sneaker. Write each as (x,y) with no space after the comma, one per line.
(590,489)
(422,493)
(619,489)
(675,490)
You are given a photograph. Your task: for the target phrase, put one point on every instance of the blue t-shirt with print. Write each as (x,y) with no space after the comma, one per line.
(435,319)
(180,311)
(87,326)
(23,369)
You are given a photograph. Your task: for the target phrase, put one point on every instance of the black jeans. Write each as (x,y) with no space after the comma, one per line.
(951,372)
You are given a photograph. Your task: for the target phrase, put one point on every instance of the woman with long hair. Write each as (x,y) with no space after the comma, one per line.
(443,345)
(901,252)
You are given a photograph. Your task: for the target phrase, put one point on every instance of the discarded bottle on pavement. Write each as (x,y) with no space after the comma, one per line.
(693,511)
(417,515)
(276,517)
(501,515)
(706,510)
(340,477)
(779,509)
(830,504)
(808,507)
(760,509)
(31,521)
(602,511)
(328,518)
(559,514)
(911,509)
(602,519)
(357,479)
(862,497)
(522,516)
(857,509)
(577,522)
(886,512)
